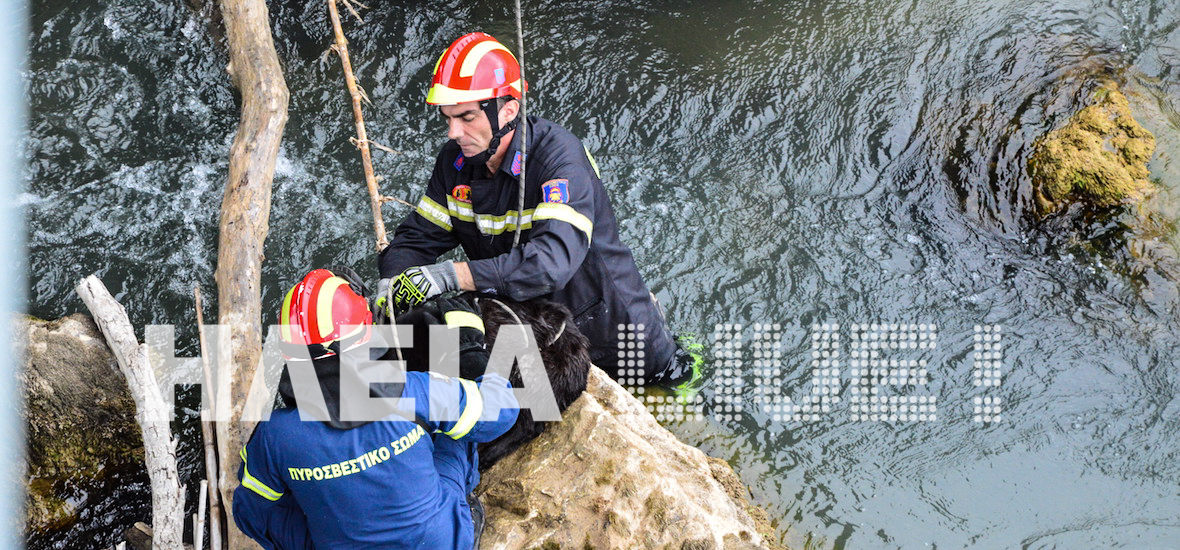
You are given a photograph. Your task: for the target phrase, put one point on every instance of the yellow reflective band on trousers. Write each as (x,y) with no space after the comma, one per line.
(471,412)
(252,483)
(434,212)
(460,319)
(566,213)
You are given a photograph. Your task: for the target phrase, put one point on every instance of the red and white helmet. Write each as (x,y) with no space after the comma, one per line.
(322,310)
(475,67)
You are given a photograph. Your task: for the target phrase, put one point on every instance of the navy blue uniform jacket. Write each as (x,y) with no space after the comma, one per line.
(570,251)
(380,485)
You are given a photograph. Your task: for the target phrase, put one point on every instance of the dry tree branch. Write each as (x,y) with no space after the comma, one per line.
(362,140)
(208,432)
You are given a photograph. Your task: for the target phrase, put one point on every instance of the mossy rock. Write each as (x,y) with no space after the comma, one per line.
(1098,158)
(79,415)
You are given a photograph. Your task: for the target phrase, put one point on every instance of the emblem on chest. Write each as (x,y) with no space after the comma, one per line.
(462,193)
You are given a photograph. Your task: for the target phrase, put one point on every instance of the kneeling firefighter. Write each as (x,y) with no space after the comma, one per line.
(335,482)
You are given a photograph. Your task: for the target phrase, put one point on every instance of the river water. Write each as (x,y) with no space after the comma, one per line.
(846,171)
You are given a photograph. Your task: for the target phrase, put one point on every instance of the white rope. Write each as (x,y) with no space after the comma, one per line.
(558,335)
(508,309)
(524,124)
(519,323)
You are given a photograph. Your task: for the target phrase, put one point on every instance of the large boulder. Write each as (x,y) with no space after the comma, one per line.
(1099,157)
(79,415)
(609,476)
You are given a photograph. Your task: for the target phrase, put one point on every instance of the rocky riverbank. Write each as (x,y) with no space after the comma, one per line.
(607,476)
(79,417)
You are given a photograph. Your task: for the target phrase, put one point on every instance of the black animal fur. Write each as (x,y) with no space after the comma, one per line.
(566,359)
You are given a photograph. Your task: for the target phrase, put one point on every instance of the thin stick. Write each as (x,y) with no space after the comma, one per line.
(397,200)
(199,517)
(384,148)
(208,434)
(362,139)
(348,4)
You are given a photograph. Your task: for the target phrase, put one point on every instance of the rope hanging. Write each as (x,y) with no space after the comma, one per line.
(524,125)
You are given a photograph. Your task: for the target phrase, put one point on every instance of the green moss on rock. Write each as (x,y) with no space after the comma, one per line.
(79,415)
(1099,157)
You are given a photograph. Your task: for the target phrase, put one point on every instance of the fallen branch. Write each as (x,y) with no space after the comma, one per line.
(153,414)
(207,433)
(384,148)
(199,519)
(362,140)
(348,4)
(245,218)
(385,199)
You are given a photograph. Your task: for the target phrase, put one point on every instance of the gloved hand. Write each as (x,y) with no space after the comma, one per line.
(380,305)
(415,285)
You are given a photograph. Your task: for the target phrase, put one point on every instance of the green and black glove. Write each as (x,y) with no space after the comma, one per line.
(414,286)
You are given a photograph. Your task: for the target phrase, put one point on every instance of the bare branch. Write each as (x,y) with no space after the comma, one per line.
(153,413)
(362,140)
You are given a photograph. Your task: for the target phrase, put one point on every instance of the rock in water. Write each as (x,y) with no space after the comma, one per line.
(79,415)
(1099,157)
(609,476)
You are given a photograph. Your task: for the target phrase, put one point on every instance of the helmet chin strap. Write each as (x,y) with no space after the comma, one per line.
(491,109)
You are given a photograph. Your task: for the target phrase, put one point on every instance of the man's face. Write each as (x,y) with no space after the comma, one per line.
(468,126)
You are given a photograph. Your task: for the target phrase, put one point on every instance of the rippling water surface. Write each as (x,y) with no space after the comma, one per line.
(805,164)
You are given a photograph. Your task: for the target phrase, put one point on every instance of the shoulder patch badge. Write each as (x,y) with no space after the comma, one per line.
(516,164)
(462,193)
(459,162)
(556,190)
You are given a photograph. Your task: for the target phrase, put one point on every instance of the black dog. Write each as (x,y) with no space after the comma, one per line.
(565,353)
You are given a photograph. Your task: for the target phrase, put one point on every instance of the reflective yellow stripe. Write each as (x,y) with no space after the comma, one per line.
(434,212)
(323,305)
(476,53)
(459,210)
(252,483)
(459,319)
(592,163)
(445,95)
(495,225)
(506,216)
(285,316)
(565,213)
(471,412)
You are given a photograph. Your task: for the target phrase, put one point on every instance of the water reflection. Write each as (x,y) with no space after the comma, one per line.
(786,162)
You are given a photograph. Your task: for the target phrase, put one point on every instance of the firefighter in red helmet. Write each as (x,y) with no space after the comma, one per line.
(338,481)
(570,250)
